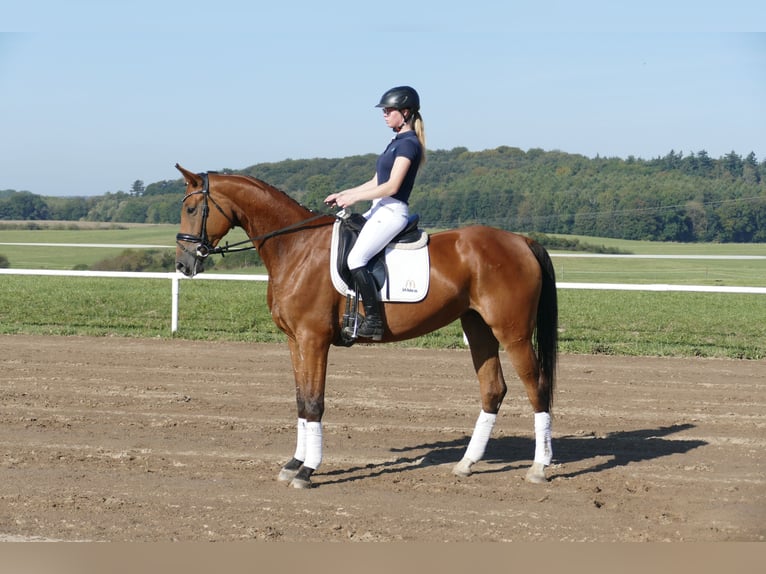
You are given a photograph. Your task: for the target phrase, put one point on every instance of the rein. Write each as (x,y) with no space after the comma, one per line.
(230,248)
(205,248)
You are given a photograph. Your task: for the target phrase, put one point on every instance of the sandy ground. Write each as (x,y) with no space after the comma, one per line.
(109,439)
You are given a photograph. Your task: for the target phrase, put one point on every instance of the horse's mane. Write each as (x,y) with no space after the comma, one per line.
(268,187)
(254,180)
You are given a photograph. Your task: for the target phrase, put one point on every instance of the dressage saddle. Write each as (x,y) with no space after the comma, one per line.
(350,227)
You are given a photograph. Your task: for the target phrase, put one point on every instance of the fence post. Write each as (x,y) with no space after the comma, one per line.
(174,305)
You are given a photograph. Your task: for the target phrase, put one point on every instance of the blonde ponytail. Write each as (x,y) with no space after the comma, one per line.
(420,131)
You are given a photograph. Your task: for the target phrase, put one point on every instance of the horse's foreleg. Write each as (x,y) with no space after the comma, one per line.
(290,469)
(307,457)
(308,454)
(302,478)
(310,372)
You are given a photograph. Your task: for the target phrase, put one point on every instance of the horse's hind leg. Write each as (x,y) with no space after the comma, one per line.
(525,362)
(486,362)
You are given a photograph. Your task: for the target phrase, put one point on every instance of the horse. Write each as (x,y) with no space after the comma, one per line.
(500,285)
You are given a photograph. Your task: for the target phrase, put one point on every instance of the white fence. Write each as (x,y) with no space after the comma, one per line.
(176,277)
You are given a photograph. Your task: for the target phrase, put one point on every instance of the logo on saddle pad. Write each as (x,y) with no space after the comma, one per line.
(401,270)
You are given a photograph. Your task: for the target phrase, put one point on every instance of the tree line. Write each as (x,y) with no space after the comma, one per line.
(676,197)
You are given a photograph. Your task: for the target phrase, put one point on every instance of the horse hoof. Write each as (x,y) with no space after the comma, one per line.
(302,478)
(301,483)
(290,469)
(463,468)
(287,475)
(536,473)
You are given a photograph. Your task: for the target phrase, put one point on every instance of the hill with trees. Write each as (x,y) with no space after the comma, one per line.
(676,197)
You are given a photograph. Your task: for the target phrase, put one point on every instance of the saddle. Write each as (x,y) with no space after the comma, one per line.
(348,231)
(400,271)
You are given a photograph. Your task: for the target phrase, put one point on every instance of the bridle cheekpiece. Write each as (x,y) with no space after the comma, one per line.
(204,247)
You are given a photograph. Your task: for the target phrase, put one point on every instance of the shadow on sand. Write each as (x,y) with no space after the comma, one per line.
(513,453)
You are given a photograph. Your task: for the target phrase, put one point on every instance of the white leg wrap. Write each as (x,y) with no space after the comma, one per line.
(480,437)
(313,445)
(300,449)
(543,448)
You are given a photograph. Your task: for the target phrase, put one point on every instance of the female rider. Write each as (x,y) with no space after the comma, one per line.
(389,189)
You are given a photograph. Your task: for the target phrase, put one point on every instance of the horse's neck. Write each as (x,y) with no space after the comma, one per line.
(273,212)
(259,222)
(262,209)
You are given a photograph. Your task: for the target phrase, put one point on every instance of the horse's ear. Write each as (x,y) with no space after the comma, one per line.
(192,179)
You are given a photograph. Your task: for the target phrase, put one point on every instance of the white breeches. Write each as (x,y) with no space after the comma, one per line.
(385,220)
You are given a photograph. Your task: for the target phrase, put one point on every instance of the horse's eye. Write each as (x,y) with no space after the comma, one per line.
(191,210)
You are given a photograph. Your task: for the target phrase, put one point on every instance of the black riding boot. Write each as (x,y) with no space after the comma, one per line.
(372,325)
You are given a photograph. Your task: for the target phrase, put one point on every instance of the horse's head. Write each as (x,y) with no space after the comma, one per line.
(201,227)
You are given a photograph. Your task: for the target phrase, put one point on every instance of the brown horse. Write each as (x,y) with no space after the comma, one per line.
(499,284)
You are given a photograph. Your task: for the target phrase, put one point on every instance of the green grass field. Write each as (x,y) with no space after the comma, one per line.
(46,257)
(723,272)
(607,322)
(601,322)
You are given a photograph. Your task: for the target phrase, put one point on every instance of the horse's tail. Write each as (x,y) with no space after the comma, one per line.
(547,332)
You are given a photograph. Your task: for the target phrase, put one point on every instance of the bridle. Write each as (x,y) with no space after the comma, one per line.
(203,245)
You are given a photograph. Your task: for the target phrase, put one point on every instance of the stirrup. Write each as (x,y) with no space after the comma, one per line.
(351,325)
(364,329)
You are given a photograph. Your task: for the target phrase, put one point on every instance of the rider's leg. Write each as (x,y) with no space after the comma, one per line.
(372,326)
(385,221)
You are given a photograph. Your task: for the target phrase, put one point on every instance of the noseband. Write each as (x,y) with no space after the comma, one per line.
(204,247)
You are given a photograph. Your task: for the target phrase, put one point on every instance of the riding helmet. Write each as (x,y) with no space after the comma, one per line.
(401,98)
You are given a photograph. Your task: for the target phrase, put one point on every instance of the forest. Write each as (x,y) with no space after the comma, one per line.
(677,197)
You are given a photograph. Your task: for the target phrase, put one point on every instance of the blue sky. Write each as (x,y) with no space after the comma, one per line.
(95,94)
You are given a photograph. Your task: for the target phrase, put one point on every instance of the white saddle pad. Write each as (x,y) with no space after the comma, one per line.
(408,270)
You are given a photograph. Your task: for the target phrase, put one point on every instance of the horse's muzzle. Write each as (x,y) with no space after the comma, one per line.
(190,265)
(190,258)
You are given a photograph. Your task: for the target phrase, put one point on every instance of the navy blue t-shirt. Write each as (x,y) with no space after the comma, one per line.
(405,144)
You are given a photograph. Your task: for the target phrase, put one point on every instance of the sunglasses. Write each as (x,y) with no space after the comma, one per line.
(388,111)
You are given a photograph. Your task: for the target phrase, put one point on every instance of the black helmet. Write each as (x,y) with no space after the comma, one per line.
(401,97)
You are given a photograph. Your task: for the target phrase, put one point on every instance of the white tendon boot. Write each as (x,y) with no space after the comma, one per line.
(543,449)
(479,439)
(287,474)
(313,455)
